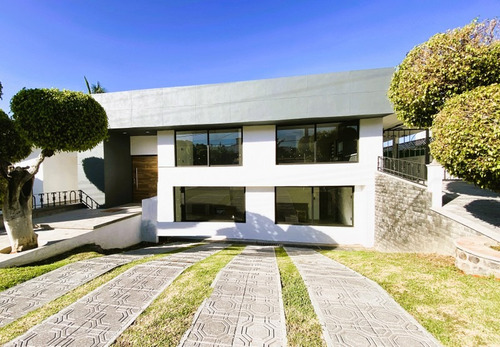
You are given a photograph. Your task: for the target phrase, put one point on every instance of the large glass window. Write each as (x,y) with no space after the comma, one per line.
(212,147)
(209,204)
(314,205)
(317,143)
(191,147)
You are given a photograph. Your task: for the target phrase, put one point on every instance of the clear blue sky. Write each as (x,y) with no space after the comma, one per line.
(151,44)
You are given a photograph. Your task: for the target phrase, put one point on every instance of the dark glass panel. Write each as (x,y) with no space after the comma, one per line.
(347,147)
(225,147)
(326,143)
(191,148)
(293,205)
(295,144)
(333,206)
(210,204)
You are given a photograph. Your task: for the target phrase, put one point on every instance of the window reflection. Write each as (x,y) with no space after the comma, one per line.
(331,142)
(214,147)
(191,147)
(314,205)
(225,147)
(209,204)
(295,144)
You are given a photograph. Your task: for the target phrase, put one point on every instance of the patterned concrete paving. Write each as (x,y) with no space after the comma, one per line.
(30,295)
(353,310)
(101,316)
(245,308)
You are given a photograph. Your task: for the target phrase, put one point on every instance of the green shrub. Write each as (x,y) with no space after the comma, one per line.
(446,65)
(467,136)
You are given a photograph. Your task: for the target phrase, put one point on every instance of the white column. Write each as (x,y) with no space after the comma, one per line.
(435,174)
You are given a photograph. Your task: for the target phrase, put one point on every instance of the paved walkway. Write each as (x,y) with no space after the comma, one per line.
(30,295)
(475,207)
(245,308)
(353,310)
(100,317)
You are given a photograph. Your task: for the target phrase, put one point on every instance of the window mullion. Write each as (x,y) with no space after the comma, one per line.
(208,148)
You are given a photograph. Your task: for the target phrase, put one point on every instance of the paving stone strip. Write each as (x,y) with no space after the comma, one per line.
(245,308)
(353,310)
(98,318)
(19,300)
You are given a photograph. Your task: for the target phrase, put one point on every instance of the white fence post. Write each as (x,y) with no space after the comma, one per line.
(435,174)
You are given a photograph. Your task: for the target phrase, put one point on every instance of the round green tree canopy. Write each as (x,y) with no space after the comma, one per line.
(59,120)
(446,65)
(13,147)
(467,136)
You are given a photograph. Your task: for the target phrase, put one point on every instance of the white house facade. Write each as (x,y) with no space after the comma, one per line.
(278,160)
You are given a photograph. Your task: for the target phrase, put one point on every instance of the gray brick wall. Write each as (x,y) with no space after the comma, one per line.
(405,222)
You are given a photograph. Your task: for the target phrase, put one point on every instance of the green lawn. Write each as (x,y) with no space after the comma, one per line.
(9,277)
(302,325)
(457,309)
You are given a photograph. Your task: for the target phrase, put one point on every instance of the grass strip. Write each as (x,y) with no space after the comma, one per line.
(302,324)
(459,310)
(12,276)
(23,324)
(165,321)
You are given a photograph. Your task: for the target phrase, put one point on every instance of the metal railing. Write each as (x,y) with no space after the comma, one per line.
(62,198)
(407,169)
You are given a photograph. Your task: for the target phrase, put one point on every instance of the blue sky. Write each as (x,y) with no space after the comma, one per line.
(130,45)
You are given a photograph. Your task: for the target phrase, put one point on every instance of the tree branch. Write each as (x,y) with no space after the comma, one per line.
(4,168)
(33,169)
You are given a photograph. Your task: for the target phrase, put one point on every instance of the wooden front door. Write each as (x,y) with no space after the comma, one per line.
(145,177)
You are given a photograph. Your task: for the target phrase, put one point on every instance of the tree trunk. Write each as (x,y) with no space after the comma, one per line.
(17,210)
(17,204)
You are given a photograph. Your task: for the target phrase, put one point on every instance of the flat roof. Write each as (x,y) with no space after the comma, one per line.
(320,97)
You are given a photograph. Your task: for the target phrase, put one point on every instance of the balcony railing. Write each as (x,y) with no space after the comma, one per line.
(409,170)
(62,198)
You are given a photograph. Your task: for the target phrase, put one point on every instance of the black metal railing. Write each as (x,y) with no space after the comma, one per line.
(62,198)
(407,169)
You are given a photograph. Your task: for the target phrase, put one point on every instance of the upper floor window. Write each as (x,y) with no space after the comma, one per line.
(317,143)
(208,147)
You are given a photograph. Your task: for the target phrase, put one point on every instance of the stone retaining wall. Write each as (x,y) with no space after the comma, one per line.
(405,221)
(476,257)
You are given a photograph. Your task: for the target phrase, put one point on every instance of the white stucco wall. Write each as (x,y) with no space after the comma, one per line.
(56,173)
(143,145)
(60,172)
(260,174)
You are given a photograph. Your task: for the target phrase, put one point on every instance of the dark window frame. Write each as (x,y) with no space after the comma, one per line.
(315,127)
(313,221)
(207,132)
(183,212)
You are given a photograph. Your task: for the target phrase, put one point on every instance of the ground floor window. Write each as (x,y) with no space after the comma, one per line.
(196,204)
(314,205)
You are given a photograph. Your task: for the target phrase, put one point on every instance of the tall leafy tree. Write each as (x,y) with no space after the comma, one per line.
(450,83)
(467,136)
(447,64)
(53,121)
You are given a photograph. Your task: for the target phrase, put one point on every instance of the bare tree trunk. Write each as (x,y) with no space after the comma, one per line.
(17,206)
(17,212)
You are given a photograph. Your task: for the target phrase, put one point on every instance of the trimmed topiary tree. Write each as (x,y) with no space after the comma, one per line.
(447,64)
(49,119)
(467,136)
